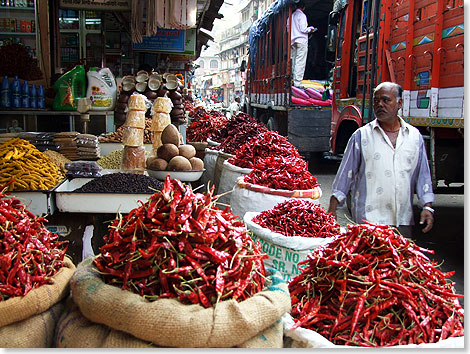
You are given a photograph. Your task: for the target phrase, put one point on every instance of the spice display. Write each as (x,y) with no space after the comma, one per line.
(180,245)
(27,166)
(162,105)
(83,169)
(135,119)
(133,159)
(67,144)
(133,136)
(280,172)
(29,253)
(87,146)
(133,156)
(127,183)
(238,131)
(137,102)
(172,155)
(296,217)
(373,287)
(116,137)
(57,158)
(161,122)
(265,144)
(111,161)
(204,124)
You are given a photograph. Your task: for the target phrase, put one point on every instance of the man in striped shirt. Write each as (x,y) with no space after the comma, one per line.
(384,164)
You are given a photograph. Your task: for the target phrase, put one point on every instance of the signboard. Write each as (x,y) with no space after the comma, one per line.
(169,40)
(107,5)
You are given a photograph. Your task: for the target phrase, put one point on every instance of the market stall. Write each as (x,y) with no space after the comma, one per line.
(266,267)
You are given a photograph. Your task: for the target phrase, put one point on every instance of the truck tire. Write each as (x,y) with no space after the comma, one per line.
(273,124)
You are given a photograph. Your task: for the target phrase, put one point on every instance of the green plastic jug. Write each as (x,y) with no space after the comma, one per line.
(69,88)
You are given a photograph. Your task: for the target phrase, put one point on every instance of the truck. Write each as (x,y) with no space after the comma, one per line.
(418,44)
(268,93)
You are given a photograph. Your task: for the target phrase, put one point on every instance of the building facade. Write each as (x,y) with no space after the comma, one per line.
(232,49)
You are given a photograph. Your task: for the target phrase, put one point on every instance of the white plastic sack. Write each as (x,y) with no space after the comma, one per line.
(305,338)
(210,158)
(243,200)
(285,252)
(221,158)
(228,180)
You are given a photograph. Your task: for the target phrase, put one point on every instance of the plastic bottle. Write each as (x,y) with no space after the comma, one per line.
(25,95)
(102,89)
(40,97)
(69,88)
(33,97)
(5,95)
(16,93)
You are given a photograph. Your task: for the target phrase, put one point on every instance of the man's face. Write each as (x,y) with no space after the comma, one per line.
(385,104)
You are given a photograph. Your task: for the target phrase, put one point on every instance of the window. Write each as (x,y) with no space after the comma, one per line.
(214,64)
(245,16)
(201,64)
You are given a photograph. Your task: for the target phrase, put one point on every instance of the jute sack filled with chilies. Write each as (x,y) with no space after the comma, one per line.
(29,321)
(107,316)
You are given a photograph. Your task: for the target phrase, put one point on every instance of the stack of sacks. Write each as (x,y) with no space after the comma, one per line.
(133,157)
(160,119)
(67,144)
(88,148)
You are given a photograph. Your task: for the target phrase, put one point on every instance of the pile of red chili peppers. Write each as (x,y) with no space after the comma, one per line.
(180,245)
(265,144)
(372,287)
(29,253)
(296,217)
(204,124)
(238,131)
(282,172)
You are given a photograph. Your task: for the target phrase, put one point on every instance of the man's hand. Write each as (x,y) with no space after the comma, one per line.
(428,218)
(333,206)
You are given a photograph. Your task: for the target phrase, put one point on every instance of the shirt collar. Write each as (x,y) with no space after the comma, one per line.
(375,124)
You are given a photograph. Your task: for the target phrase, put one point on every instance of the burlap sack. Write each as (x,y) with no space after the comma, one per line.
(75,331)
(29,321)
(169,323)
(34,332)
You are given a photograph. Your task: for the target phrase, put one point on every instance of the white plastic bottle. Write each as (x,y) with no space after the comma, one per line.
(101,89)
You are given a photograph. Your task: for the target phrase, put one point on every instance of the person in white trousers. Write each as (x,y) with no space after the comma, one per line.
(299,42)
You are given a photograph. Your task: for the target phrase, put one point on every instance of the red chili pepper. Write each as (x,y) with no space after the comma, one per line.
(375,304)
(186,243)
(219,281)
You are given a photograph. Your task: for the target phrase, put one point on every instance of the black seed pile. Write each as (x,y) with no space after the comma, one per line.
(128,183)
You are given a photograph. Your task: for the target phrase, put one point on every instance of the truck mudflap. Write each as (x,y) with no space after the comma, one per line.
(309,129)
